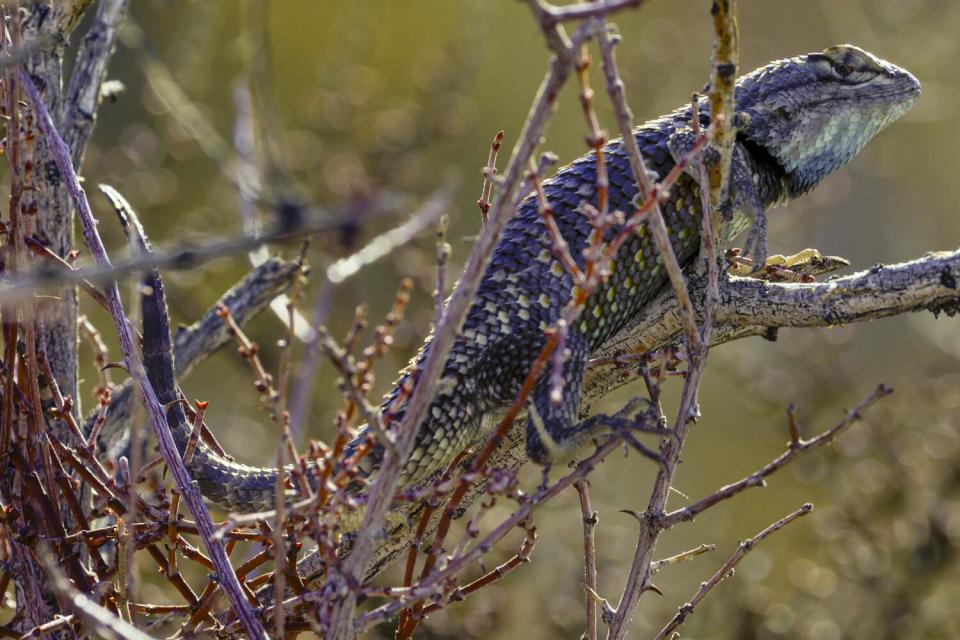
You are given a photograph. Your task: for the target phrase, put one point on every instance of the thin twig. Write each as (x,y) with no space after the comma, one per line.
(683,556)
(489,174)
(794,450)
(189,257)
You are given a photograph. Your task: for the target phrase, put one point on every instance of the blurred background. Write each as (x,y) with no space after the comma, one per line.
(402,96)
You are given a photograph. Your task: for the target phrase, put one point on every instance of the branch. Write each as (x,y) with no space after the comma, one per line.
(502,211)
(749,306)
(590,518)
(726,569)
(295,223)
(187,488)
(549,16)
(89,72)
(796,448)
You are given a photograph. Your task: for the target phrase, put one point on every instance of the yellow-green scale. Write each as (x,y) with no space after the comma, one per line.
(637,272)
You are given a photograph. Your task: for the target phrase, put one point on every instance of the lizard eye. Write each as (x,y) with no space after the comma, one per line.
(842,69)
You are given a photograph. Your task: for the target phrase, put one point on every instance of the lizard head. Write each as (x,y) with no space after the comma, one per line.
(810,114)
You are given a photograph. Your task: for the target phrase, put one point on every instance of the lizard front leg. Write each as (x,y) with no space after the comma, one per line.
(744,203)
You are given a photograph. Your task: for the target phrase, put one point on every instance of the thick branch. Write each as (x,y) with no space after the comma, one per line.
(89,72)
(749,307)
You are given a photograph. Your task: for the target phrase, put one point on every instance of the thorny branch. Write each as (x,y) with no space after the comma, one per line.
(726,51)
(726,569)
(185,485)
(699,310)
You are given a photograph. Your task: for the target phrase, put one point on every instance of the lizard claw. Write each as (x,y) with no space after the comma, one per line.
(625,431)
(630,420)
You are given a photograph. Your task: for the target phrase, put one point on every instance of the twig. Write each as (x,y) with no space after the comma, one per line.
(522,556)
(726,569)
(489,174)
(383,244)
(590,518)
(683,556)
(48,627)
(186,256)
(443,255)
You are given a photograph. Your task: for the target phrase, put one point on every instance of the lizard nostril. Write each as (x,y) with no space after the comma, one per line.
(783,113)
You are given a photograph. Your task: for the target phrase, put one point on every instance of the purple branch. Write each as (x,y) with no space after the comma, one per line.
(225,574)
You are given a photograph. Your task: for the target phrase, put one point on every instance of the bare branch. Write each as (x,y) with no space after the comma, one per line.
(89,73)
(758,478)
(590,518)
(726,569)
(188,257)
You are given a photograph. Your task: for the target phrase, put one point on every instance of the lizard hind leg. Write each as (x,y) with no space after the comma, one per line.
(553,432)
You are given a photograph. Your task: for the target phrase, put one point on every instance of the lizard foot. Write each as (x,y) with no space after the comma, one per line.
(802,266)
(627,422)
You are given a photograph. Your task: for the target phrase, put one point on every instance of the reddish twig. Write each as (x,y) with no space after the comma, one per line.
(489,174)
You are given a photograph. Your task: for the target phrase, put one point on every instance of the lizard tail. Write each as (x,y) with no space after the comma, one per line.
(234,486)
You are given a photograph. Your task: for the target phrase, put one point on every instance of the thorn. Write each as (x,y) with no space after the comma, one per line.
(631,512)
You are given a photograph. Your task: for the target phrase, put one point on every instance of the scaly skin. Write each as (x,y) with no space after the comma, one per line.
(803,118)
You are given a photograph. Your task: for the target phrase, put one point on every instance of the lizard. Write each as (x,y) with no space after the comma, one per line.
(799,119)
